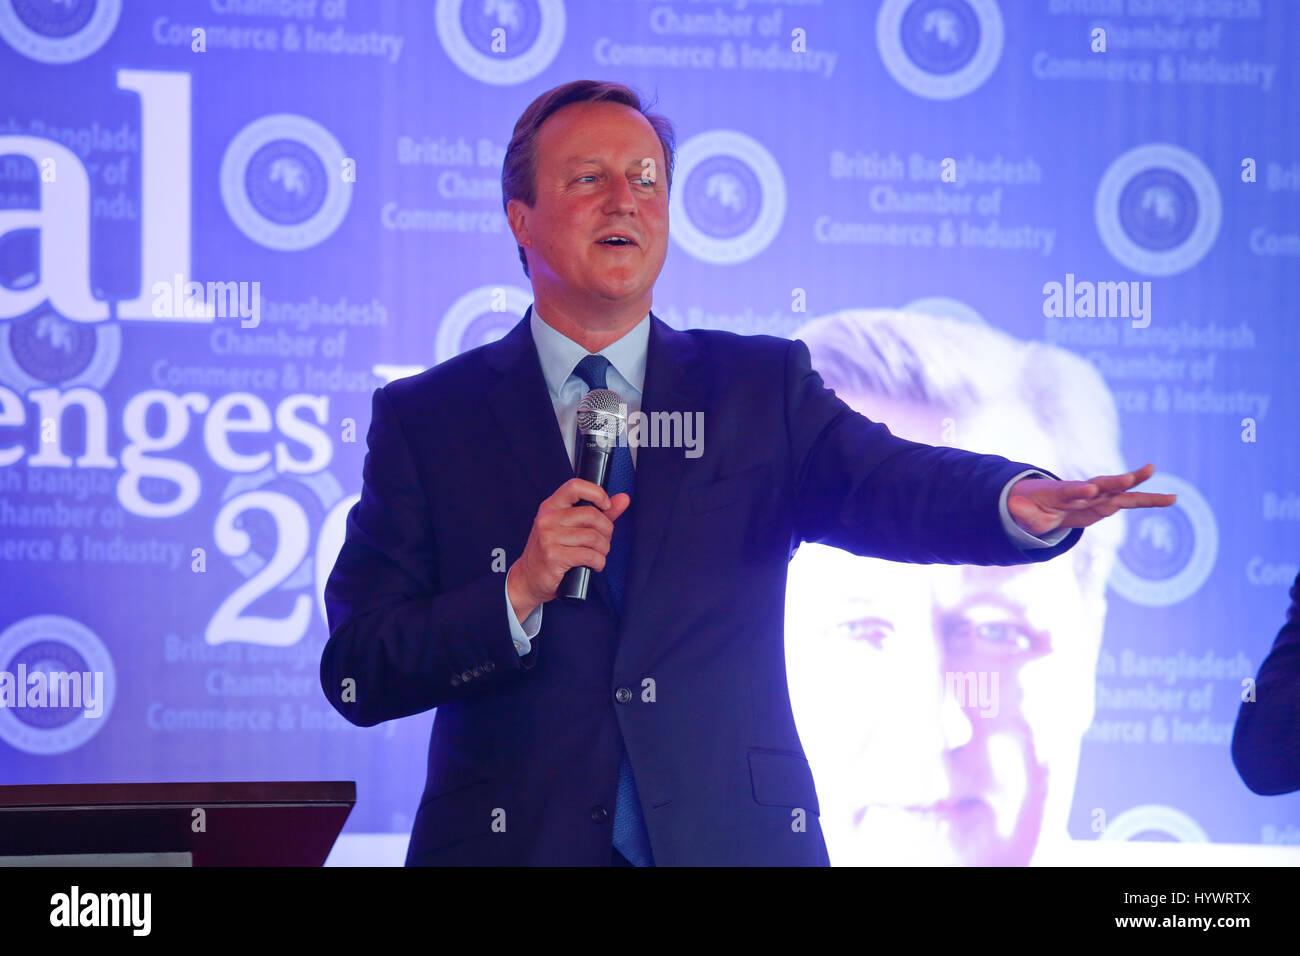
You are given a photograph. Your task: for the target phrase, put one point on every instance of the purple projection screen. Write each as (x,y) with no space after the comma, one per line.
(1071,227)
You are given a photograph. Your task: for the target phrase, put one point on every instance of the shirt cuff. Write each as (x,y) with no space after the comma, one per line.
(1019,536)
(523,634)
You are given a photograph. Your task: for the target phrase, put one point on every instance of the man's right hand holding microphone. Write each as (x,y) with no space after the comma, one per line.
(563,537)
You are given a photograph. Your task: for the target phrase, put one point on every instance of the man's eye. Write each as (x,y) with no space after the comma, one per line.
(1004,638)
(648,182)
(873,630)
(588,176)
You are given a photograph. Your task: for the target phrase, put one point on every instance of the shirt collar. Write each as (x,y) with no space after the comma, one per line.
(560,355)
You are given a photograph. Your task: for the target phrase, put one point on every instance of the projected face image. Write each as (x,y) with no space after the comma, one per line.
(941,707)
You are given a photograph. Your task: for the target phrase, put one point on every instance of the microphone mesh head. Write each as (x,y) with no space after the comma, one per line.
(600,413)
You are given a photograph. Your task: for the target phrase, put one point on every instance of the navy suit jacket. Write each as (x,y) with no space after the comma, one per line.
(524,753)
(1266,739)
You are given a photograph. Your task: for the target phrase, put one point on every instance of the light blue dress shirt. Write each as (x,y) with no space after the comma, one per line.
(560,355)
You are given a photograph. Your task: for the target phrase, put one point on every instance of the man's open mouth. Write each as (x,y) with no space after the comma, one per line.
(616,241)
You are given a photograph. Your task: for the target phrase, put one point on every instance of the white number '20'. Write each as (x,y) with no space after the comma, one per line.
(230,622)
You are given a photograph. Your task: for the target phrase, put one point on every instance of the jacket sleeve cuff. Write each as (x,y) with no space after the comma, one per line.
(1019,536)
(523,634)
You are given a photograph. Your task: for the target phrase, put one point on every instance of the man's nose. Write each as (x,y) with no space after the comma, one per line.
(929,727)
(619,196)
(956,725)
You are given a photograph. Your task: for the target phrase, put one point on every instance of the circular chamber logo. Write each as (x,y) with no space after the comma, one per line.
(728,199)
(1158,209)
(1168,552)
(58,31)
(43,348)
(939,49)
(471,322)
(282,182)
(57,648)
(503,41)
(1155,818)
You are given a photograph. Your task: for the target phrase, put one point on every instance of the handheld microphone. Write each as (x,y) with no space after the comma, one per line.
(601,419)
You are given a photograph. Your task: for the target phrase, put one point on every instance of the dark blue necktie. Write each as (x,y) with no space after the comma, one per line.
(630,836)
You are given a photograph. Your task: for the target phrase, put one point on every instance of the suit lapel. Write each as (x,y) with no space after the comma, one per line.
(673,383)
(525,418)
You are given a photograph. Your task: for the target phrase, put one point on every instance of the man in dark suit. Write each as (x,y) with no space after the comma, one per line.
(650,723)
(1266,740)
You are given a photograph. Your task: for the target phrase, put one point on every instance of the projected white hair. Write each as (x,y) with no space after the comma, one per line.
(960,366)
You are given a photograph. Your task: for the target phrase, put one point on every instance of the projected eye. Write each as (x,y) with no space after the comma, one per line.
(872,630)
(1005,638)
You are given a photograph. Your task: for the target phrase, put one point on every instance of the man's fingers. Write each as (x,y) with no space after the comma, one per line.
(1143,499)
(583,558)
(618,504)
(581,538)
(1110,484)
(1058,496)
(1071,491)
(1114,489)
(1113,483)
(583,518)
(579,489)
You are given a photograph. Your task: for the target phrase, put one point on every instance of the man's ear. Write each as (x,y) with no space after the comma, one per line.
(517,215)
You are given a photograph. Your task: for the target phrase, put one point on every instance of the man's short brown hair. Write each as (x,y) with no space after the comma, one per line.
(519,171)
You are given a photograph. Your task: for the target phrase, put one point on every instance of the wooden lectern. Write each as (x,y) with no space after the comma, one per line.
(282,823)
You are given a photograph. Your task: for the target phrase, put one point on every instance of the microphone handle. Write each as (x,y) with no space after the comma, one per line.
(592,465)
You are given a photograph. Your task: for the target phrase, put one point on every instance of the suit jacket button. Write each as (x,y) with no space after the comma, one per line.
(623,695)
(599,814)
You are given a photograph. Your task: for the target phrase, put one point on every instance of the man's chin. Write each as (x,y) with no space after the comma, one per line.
(964,834)
(619,289)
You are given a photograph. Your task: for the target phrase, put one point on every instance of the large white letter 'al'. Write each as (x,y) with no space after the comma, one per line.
(63,215)
(164,186)
(63,219)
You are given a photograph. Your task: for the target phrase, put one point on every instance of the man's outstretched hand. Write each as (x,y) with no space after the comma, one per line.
(1041,505)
